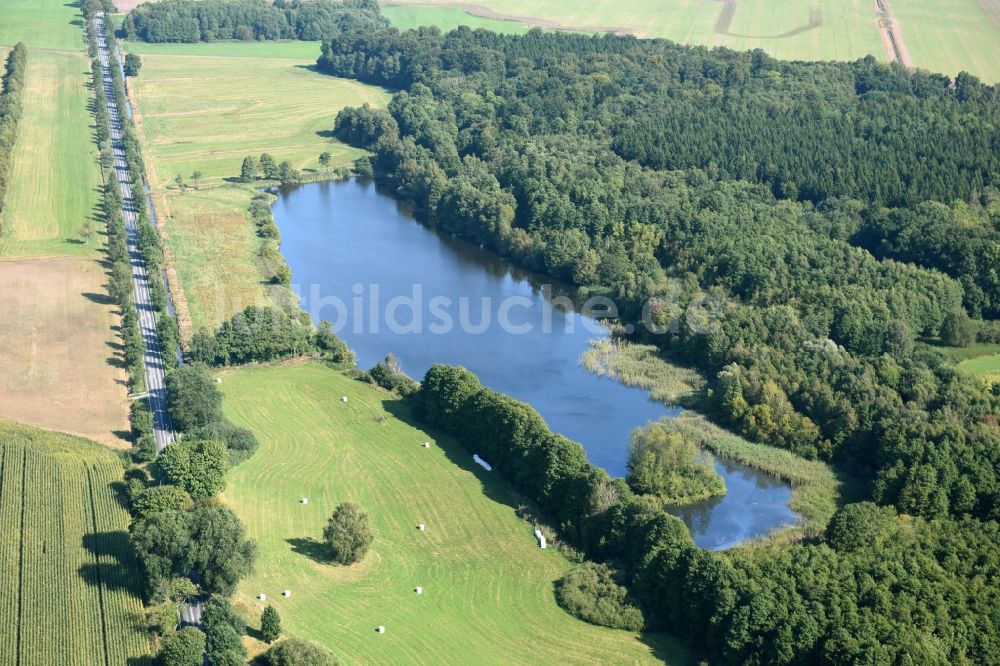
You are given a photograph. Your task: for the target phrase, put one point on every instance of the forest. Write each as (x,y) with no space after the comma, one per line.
(210,20)
(11,94)
(791,230)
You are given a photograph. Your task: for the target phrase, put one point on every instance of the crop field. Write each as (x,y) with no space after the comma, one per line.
(448,18)
(944,36)
(204,107)
(487,588)
(67,575)
(54,175)
(951,35)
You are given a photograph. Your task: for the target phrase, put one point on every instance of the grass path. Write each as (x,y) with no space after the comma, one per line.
(488,595)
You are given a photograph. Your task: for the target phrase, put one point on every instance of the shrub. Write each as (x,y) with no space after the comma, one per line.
(348,533)
(197,467)
(671,466)
(160,498)
(591,592)
(297,652)
(240,442)
(389,375)
(182,648)
(958,330)
(861,525)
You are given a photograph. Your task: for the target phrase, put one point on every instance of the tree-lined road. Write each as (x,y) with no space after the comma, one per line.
(153,360)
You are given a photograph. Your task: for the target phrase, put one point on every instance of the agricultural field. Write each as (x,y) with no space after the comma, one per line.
(55,179)
(448,18)
(60,364)
(42,24)
(951,35)
(209,236)
(208,106)
(204,107)
(487,588)
(948,37)
(67,574)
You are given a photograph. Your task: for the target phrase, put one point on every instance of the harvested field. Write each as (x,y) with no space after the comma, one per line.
(59,368)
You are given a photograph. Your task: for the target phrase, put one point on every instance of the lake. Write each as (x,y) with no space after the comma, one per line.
(390,284)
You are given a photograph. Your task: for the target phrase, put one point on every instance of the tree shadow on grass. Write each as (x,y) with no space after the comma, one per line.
(493,484)
(311,548)
(100,299)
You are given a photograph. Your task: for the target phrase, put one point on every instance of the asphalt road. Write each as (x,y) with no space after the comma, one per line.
(155,369)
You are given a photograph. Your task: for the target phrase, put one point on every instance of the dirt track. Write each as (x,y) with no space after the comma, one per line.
(892,35)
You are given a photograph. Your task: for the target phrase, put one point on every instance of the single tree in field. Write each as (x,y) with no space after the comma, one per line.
(324,160)
(249,170)
(87,231)
(133,63)
(348,533)
(196,177)
(270,624)
(179,179)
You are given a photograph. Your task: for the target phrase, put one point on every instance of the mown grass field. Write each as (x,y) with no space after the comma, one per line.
(55,179)
(488,589)
(943,36)
(204,107)
(953,35)
(43,24)
(67,575)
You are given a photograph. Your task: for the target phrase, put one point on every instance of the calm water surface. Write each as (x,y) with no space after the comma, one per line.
(390,284)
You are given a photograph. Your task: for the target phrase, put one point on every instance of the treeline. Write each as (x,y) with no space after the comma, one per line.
(210,20)
(11,102)
(810,340)
(180,532)
(881,590)
(190,544)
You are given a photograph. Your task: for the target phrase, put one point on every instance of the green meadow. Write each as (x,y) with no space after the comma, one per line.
(487,587)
